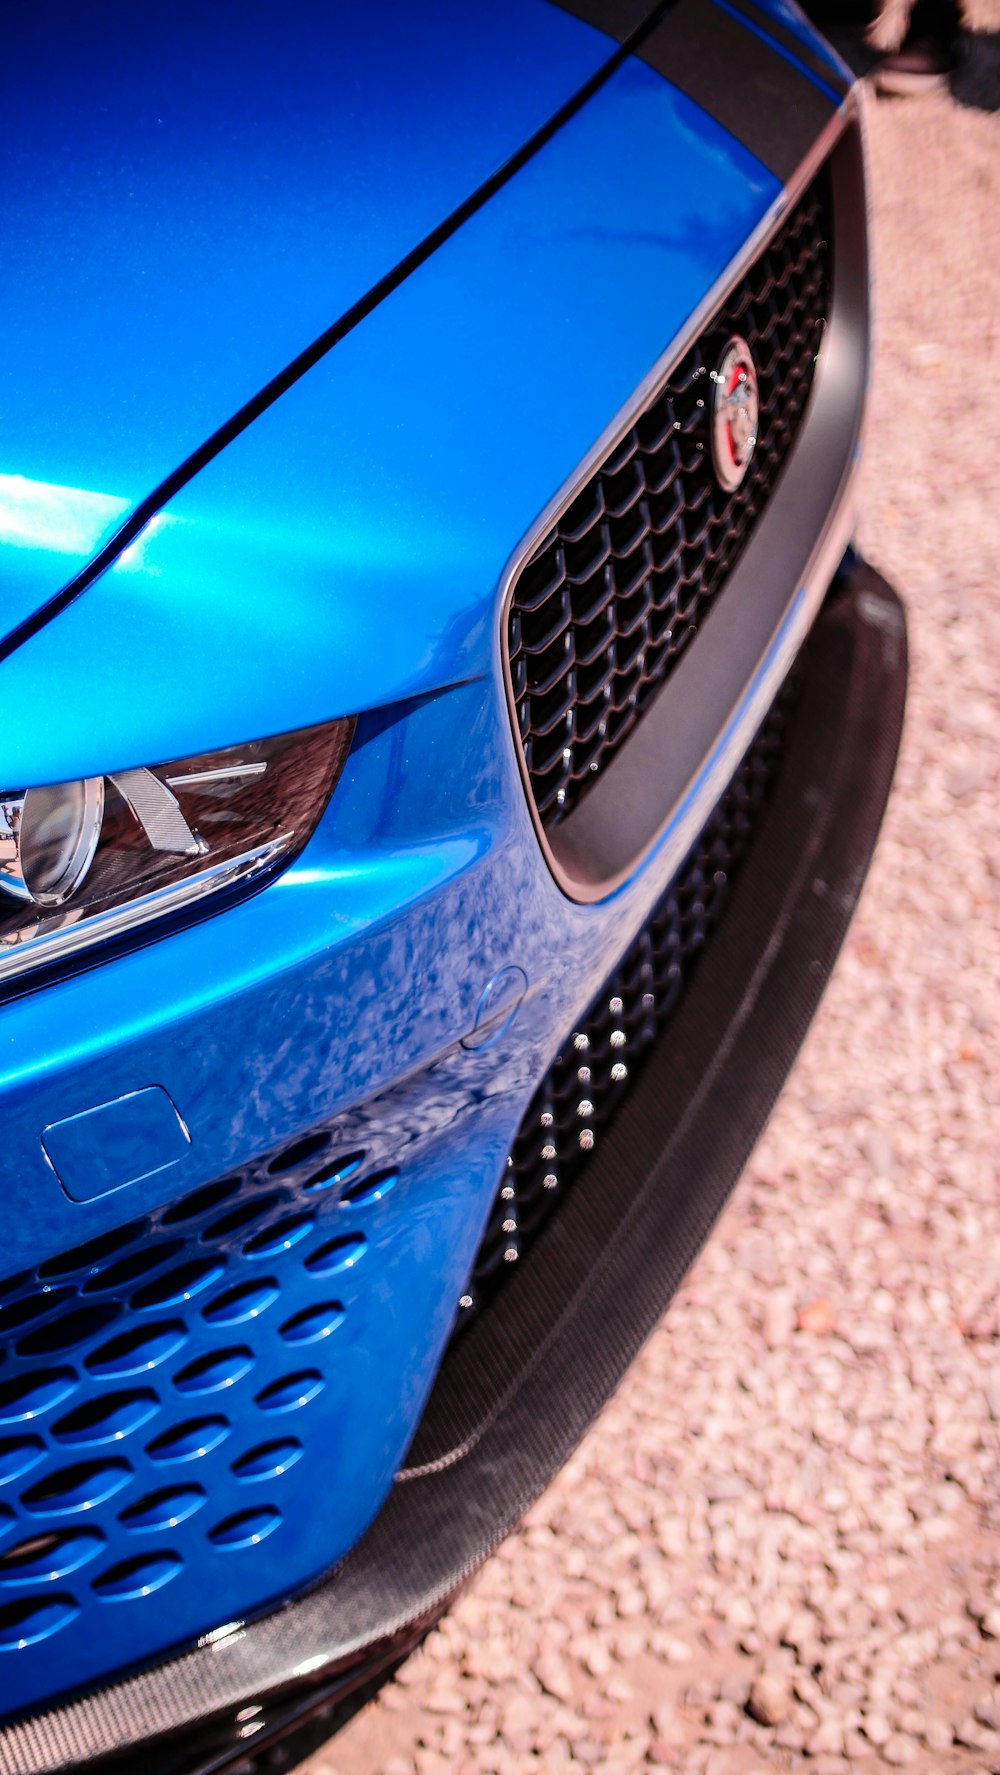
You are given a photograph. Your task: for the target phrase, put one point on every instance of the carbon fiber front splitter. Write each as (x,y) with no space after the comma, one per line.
(518,1390)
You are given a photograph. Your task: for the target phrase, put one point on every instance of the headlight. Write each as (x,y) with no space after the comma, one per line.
(83,861)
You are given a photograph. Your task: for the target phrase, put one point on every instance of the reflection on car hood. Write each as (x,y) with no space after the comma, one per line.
(192,194)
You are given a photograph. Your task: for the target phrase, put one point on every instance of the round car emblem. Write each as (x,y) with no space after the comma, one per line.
(735,411)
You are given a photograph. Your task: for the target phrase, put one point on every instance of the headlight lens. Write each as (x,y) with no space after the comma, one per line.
(87,860)
(52,835)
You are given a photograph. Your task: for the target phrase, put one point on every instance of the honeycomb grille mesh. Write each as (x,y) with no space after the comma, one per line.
(616,591)
(603,1055)
(159,1388)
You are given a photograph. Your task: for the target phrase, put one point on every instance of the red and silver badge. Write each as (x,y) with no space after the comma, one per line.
(735,410)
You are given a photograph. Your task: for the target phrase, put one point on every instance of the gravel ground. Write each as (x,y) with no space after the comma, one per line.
(778,1546)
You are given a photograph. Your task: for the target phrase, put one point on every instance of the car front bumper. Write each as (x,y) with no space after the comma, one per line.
(517,1390)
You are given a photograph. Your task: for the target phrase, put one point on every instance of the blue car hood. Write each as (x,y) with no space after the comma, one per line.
(192,194)
(344,552)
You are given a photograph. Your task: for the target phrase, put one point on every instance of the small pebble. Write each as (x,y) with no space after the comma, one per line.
(938,1735)
(876,1728)
(899,1752)
(769,1700)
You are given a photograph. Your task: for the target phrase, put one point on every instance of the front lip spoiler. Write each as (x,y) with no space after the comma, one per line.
(591,1288)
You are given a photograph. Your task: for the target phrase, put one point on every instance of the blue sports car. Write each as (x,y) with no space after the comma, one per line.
(444,732)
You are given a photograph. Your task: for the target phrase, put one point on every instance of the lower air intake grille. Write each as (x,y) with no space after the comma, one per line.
(605,1052)
(168,1394)
(609,600)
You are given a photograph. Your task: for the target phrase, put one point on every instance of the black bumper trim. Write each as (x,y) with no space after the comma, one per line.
(620,19)
(741,80)
(517,1392)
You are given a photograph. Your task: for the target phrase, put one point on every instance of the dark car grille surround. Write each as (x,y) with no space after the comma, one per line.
(616,590)
(648,616)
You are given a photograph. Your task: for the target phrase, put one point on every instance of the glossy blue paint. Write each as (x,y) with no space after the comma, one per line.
(343,554)
(47,533)
(192,195)
(500,1002)
(287,1009)
(398,474)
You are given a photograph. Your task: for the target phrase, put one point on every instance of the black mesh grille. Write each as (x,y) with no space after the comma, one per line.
(615,592)
(604,1054)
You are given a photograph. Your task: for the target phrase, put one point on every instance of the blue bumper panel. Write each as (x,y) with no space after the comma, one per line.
(517,1390)
(200,1409)
(176,1396)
